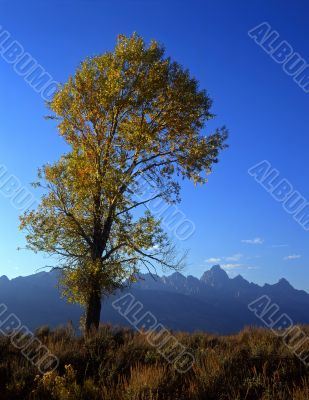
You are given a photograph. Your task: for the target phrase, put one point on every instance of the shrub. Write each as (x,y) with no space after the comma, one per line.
(119,364)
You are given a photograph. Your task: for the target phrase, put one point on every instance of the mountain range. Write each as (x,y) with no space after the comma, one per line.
(213,303)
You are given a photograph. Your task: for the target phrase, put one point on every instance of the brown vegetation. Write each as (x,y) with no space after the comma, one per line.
(116,364)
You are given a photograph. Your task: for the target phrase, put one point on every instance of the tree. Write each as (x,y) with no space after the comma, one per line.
(128,116)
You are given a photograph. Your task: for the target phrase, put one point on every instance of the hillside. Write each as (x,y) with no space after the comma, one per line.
(214,303)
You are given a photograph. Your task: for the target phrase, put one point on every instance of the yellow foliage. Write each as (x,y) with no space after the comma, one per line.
(128,116)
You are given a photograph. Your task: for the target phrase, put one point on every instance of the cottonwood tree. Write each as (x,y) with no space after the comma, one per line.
(128,116)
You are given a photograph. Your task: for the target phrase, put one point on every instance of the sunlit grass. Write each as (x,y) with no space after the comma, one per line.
(119,364)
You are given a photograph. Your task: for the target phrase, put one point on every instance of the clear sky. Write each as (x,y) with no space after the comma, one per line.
(238,224)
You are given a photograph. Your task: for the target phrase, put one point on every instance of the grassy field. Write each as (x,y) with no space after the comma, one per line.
(119,364)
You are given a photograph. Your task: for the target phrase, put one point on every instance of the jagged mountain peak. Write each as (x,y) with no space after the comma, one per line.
(239,278)
(281,284)
(214,303)
(177,275)
(216,276)
(284,283)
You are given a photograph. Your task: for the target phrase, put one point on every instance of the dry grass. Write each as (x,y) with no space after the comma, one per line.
(117,364)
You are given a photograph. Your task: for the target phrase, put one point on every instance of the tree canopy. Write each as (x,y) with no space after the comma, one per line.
(128,116)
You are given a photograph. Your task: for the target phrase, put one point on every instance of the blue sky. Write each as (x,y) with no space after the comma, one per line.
(238,224)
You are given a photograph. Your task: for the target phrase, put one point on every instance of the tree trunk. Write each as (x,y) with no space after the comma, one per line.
(93,312)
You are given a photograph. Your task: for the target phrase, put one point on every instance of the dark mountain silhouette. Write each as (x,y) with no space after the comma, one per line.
(215,303)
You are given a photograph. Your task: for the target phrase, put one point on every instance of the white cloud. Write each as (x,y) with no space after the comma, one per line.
(231,266)
(253,241)
(213,260)
(153,248)
(292,257)
(235,257)
(230,263)
(231,273)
